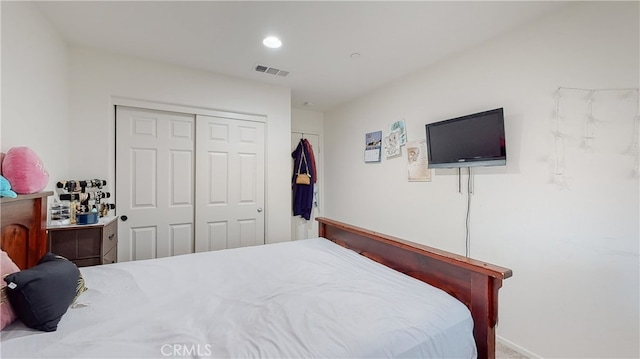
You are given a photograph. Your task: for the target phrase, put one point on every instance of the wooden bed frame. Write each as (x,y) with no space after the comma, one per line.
(473,282)
(23,228)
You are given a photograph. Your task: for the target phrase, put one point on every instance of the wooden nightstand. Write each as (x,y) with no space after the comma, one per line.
(86,245)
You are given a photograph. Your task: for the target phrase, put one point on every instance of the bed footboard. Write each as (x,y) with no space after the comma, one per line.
(474,283)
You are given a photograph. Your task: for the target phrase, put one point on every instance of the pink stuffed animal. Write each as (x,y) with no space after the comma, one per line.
(24,170)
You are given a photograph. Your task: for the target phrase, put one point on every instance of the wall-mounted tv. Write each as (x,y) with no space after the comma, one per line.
(467,141)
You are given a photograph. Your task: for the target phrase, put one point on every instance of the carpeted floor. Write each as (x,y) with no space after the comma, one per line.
(504,352)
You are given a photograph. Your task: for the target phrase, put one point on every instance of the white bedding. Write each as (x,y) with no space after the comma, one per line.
(308,298)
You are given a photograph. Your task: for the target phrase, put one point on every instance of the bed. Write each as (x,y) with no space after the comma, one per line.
(339,295)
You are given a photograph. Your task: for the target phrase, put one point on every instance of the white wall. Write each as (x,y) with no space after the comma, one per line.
(307,121)
(574,250)
(97,78)
(35,100)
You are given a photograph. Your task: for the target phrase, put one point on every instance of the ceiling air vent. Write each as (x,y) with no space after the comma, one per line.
(271,70)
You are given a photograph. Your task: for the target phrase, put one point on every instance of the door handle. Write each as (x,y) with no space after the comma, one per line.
(259,210)
(124,218)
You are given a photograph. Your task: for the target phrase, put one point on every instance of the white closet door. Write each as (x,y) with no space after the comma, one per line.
(230,182)
(154,183)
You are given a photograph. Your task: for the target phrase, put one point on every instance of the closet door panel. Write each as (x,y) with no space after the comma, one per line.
(232,153)
(154,182)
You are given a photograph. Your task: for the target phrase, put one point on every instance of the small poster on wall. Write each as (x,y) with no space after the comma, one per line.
(402,132)
(373,146)
(392,144)
(417,162)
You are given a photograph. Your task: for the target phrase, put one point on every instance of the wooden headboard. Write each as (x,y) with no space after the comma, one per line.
(473,282)
(23,227)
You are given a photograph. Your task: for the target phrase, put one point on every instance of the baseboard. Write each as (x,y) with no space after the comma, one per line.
(517,348)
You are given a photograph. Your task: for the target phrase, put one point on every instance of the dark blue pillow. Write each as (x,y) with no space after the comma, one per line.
(41,295)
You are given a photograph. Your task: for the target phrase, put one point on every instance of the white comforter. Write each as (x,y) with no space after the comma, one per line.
(309,298)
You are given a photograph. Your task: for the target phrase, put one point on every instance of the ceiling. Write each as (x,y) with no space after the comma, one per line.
(392,38)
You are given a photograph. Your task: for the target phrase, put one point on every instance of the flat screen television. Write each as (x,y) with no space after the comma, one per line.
(467,141)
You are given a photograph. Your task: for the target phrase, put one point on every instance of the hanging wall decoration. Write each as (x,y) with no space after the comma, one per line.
(392,144)
(402,132)
(592,121)
(373,146)
(559,136)
(417,161)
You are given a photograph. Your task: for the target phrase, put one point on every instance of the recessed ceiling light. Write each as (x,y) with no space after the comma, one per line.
(272,42)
